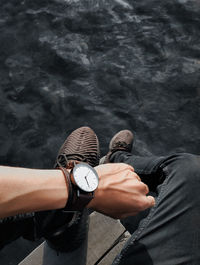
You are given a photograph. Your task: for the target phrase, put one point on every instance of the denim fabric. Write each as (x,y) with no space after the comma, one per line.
(169,233)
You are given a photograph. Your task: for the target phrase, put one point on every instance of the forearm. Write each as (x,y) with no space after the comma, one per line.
(26,190)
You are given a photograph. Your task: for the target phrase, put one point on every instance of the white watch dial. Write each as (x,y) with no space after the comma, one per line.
(86,177)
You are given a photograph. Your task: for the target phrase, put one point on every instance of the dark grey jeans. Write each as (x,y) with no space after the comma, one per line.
(169,233)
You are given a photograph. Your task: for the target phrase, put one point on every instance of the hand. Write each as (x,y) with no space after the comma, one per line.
(120,192)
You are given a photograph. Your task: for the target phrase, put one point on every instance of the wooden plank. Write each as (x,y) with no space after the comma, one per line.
(35,257)
(115,251)
(102,234)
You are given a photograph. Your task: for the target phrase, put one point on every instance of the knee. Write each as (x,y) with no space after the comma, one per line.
(190,163)
(182,179)
(188,169)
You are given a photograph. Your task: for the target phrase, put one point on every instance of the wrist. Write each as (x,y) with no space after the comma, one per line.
(93,204)
(63,190)
(81,182)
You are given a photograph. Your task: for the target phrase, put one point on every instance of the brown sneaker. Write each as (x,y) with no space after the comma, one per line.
(81,145)
(121,141)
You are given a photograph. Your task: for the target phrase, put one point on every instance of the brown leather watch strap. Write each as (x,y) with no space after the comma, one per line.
(80,199)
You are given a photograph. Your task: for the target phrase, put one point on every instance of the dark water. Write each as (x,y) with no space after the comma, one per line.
(108,64)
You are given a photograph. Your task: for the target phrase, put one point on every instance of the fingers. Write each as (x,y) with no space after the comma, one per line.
(115,166)
(144,188)
(150,202)
(123,166)
(134,175)
(147,203)
(123,191)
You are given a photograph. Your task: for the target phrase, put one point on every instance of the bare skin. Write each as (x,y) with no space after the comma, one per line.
(120,193)
(27,190)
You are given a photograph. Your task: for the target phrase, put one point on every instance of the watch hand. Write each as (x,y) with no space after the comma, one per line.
(88,173)
(87,181)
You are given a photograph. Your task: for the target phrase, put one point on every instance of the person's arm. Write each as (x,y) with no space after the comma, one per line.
(26,190)
(120,192)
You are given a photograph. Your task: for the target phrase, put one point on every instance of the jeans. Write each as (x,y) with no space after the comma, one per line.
(168,233)
(76,257)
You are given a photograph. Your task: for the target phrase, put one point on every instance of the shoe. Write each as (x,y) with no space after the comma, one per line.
(82,145)
(121,141)
(65,231)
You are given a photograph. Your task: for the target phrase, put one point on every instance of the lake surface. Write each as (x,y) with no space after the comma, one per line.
(110,65)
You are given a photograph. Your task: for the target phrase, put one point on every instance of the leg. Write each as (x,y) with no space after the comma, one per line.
(45,255)
(147,168)
(170,233)
(150,173)
(76,257)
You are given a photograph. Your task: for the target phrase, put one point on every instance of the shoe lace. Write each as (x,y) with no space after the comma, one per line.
(122,145)
(16,218)
(63,159)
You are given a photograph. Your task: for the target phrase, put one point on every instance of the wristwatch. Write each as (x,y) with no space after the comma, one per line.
(82,181)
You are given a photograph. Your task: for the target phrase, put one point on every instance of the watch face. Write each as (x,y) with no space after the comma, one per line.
(85,177)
